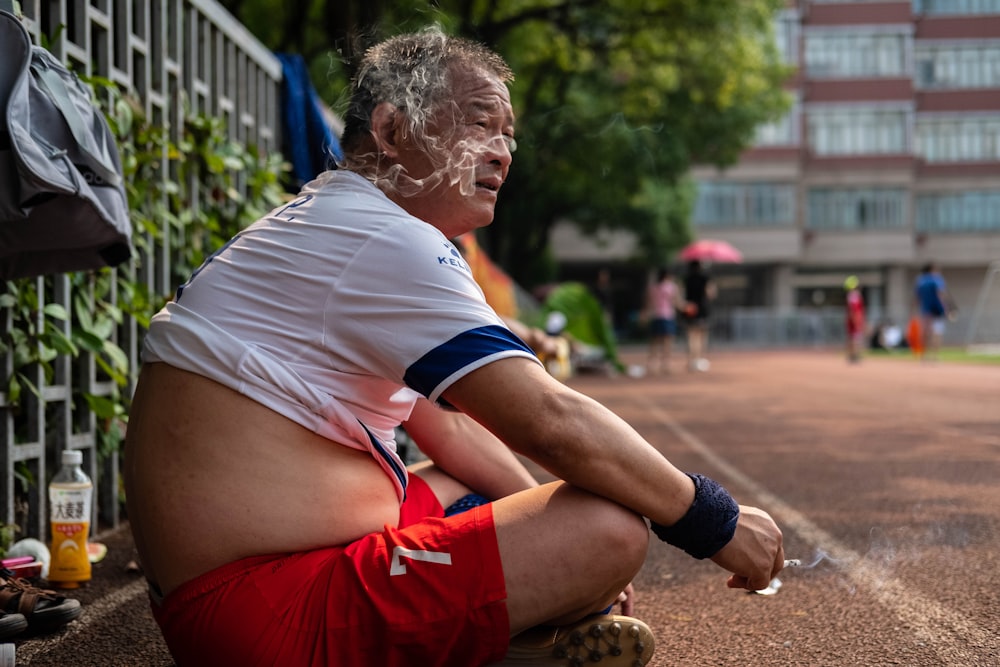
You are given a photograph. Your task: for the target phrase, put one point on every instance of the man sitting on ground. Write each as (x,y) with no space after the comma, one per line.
(273,518)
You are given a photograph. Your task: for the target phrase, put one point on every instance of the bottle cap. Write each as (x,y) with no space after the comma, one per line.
(72,457)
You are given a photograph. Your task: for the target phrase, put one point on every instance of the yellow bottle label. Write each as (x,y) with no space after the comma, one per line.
(70,517)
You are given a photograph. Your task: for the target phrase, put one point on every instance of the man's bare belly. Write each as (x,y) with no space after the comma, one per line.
(212,476)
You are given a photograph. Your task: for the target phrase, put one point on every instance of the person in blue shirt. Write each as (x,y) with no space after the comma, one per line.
(934,305)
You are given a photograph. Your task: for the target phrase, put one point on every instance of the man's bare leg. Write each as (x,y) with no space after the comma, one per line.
(565,553)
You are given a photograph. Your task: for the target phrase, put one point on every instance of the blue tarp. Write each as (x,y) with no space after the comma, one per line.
(308,142)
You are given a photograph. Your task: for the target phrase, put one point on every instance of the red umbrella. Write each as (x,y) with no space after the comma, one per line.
(711,250)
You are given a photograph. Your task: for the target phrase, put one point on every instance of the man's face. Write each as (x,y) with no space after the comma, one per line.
(471,141)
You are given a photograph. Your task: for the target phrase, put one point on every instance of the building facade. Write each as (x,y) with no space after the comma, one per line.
(889,159)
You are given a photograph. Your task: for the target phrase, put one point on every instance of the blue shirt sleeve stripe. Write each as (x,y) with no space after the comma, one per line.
(428,372)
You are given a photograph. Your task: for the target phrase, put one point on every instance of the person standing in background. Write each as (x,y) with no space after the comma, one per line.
(855,319)
(604,294)
(661,299)
(699,290)
(934,304)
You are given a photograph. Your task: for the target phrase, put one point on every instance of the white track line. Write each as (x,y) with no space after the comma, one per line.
(954,635)
(955,433)
(92,613)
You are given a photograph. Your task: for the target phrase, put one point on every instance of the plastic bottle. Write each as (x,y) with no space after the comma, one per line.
(70,496)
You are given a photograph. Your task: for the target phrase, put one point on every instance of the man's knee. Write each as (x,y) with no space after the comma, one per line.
(628,534)
(620,531)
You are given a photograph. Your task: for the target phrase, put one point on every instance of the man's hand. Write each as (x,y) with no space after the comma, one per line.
(754,555)
(543,344)
(627,600)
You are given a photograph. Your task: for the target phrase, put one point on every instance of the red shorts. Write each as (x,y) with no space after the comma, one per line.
(428,593)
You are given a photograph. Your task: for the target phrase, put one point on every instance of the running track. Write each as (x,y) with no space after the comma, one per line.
(884,475)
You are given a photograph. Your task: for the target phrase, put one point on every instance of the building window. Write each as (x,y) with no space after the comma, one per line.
(842,54)
(786,35)
(959,139)
(744,204)
(956,6)
(848,131)
(782,132)
(856,208)
(958,66)
(959,211)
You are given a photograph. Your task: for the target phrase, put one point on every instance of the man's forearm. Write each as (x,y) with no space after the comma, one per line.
(468,452)
(573,437)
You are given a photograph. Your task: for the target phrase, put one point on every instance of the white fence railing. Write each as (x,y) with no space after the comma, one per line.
(179,57)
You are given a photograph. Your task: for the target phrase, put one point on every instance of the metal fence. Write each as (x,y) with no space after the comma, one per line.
(761,328)
(179,57)
(767,327)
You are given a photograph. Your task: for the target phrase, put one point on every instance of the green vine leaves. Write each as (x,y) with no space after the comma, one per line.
(189,190)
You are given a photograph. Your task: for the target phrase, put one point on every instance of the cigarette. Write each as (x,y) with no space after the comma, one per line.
(793,562)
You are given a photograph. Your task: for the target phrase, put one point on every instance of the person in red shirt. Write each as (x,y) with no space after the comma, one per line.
(855,319)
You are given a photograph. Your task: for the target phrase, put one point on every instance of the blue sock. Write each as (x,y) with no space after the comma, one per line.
(465,503)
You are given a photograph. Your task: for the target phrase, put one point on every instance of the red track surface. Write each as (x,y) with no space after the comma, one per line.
(886,474)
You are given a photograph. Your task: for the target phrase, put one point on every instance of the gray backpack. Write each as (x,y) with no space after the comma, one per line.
(62,201)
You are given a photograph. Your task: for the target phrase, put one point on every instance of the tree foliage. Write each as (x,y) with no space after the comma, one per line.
(616,100)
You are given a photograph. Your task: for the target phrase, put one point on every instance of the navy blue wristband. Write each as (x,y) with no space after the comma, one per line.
(709,523)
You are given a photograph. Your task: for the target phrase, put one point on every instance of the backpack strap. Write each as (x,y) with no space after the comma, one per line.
(16,53)
(54,84)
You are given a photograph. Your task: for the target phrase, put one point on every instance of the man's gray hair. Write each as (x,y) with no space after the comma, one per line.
(413,73)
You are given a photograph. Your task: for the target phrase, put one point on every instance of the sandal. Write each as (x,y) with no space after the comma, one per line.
(44,610)
(11,624)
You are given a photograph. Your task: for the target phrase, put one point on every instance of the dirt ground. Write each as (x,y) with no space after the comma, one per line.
(884,478)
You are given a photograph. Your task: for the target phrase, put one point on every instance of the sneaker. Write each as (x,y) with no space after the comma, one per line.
(605,639)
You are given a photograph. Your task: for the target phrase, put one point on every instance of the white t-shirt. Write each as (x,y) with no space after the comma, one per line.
(335,311)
